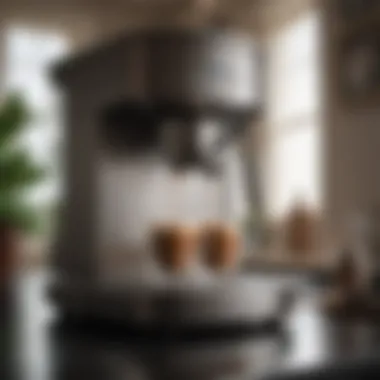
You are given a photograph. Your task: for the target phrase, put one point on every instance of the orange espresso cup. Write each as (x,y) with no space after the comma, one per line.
(220,246)
(174,246)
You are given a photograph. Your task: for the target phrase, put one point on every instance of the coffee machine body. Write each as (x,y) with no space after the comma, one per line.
(153,123)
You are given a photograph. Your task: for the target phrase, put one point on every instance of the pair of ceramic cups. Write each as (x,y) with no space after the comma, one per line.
(175,247)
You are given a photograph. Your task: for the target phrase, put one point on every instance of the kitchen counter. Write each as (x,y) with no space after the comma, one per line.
(48,350)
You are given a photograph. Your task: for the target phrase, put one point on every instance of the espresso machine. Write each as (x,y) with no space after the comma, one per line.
(154,124)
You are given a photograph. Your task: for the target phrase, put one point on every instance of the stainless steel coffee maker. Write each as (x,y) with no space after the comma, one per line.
(154,121)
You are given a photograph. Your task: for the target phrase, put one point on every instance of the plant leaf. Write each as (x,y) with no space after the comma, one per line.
(16,213)
(14,115)
(17,171)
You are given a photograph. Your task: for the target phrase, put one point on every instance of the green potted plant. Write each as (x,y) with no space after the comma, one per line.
(18,173)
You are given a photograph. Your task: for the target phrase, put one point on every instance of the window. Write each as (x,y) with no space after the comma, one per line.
(29,54)
(293,123)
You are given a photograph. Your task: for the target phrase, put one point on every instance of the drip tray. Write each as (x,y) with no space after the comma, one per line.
(238,302)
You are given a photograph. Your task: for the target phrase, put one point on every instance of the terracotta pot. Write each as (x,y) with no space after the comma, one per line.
(220,245)
(8,254)
(174,247)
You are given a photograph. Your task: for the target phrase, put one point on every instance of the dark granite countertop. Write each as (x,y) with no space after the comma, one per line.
(308,342)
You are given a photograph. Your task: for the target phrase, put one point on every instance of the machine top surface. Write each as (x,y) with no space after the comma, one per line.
(185,68)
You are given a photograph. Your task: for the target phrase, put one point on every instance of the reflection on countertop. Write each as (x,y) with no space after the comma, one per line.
(47,350)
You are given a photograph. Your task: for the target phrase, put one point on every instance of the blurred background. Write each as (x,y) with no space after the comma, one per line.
(296,139)
(316,142)
(309,141)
